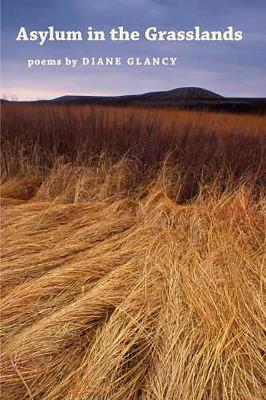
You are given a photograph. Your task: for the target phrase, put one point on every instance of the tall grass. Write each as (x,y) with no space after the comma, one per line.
(133,253)
(200,146)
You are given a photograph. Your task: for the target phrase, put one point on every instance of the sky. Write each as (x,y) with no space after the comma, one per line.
(236,69)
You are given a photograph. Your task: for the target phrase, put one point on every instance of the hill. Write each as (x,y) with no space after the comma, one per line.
(184,98)
(186,93)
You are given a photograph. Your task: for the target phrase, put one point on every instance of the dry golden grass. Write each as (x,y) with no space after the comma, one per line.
(131,267)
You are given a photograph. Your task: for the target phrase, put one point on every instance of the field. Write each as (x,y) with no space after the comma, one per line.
(133,254)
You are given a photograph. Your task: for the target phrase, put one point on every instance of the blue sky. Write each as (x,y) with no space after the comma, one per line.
(231,69)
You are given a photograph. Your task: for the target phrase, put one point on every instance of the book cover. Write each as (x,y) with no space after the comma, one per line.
(133,172)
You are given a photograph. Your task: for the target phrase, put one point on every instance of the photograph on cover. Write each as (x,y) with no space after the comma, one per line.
(133,201)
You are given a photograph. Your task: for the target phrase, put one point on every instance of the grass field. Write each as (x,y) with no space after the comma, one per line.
(133,254)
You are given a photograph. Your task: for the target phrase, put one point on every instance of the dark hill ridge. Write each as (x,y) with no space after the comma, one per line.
(186,97)
(186,93)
